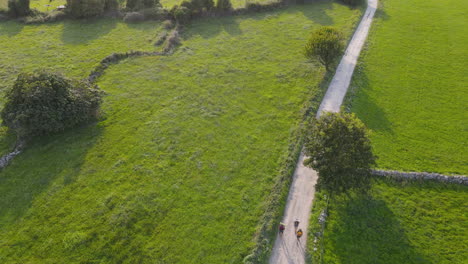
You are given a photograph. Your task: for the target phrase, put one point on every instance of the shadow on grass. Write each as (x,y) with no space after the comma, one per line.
(364,106)
(41,164)
(319,14)
(367,231)
(10,28)
(83,31)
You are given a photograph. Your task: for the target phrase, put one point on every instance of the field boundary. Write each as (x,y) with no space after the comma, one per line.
(421,176)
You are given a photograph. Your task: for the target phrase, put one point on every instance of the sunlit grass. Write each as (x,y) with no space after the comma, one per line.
(411,86)
(190,147)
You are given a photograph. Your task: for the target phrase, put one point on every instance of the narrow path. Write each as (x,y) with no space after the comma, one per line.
(287,249)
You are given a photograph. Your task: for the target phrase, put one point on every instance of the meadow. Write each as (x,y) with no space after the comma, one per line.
(189,146)
(400,222)
(410,86)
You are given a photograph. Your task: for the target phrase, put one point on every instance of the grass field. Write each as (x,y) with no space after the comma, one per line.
(411,85)
(179,169)
(400,223)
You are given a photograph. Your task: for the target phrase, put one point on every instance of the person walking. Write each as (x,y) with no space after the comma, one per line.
(281,228)
(296,223)
(299,233)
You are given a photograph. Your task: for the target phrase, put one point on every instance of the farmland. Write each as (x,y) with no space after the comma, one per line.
(410,87)
(188,148)
(398,223)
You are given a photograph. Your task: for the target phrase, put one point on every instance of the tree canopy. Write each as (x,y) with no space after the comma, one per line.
(325,45)
(340,150)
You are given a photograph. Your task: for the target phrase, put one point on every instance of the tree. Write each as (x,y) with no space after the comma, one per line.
(223,5)
(18,8)
(42,103)
(340,150)
(141,4)
(326,45)
(90,8)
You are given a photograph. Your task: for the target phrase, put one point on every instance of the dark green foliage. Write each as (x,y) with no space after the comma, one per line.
(18,8)
(134,17)
(141,4)
(90,8)
(223,5)
(42,103)
(181,14)
(352,2)
(325,44)
(340,150)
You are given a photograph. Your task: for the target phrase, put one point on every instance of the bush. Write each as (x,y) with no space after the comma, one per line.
(141,4)
(168,24)
(133,17)
(155,13)
(352,2)
(340,150)
(42,103)
(182,14)
(90,8)
(223,5)
(18,8)
(326,45)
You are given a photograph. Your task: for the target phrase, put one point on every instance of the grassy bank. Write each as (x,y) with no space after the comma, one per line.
(191,145)
(410,86)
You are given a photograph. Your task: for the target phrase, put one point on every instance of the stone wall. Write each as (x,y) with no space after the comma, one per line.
(458,179)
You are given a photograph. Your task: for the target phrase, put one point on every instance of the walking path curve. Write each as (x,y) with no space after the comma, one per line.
(288,249)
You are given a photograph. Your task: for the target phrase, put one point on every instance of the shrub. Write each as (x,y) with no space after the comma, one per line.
(90,8)
(339,149)
(111,5)
(85,8)
(182,15)
(168,24)
(134,17)
(42,103)
(352,2)
(141,4)
(56,16)
(18,8)
(155,13)
(325,44)
(223,5)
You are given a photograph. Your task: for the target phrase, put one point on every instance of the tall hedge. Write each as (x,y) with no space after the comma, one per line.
(42,103)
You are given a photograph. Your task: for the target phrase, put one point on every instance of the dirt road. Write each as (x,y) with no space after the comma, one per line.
(287,249)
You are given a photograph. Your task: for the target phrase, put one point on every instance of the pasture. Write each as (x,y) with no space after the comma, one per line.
(410,86)
(188,148)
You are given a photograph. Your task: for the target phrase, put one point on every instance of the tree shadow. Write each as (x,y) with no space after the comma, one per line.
(212,27)
(318,14)
(10,28)
(367,231)
(367,110)
(83,31)
(41,164)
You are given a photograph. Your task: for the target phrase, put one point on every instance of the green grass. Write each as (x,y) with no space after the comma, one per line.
(189,150)
(235,3)
(411,85)
(400,223)
(46,5)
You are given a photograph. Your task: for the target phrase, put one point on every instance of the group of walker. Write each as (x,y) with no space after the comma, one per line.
(298,232)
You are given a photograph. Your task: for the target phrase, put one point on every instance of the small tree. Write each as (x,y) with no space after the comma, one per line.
(223,5)
(326,45)
(42,103)
(340,150)
(18,8)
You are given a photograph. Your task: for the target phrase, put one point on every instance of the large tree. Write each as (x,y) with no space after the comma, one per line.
(41,103)
(339,149)
(325,45)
